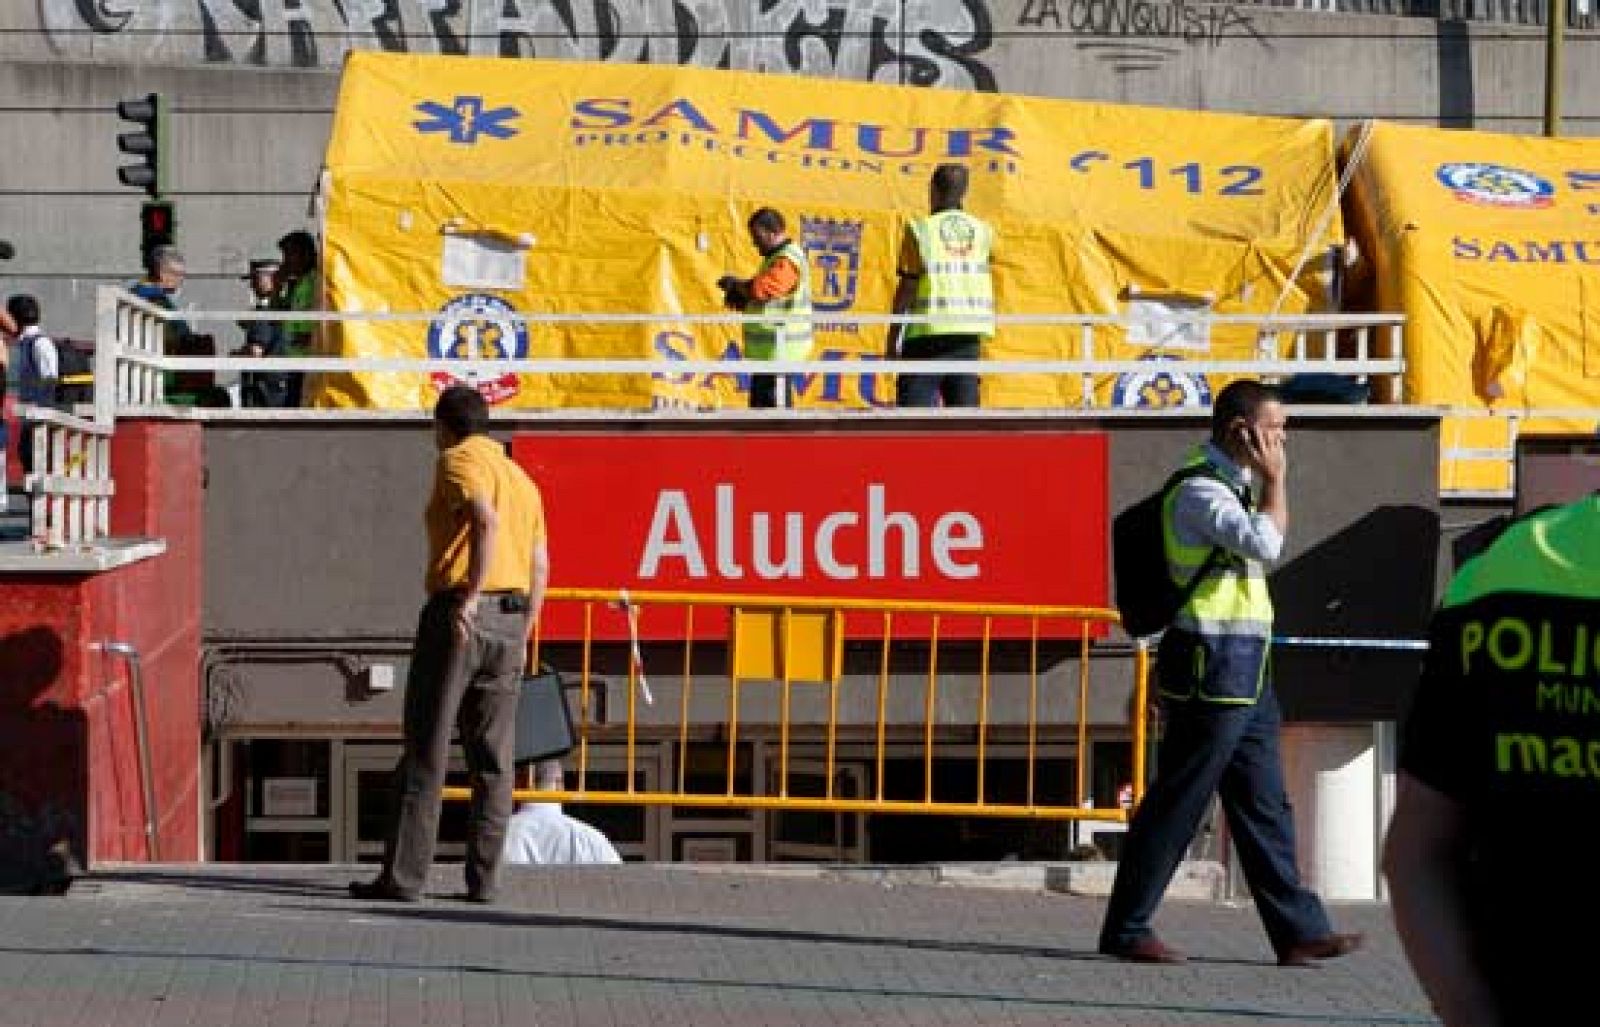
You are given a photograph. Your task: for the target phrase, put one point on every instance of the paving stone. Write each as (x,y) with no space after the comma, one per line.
(284,946)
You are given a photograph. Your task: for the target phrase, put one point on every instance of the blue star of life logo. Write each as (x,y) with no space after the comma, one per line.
(465,119)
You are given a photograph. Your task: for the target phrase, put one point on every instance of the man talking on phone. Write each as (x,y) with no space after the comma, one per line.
(1213,677)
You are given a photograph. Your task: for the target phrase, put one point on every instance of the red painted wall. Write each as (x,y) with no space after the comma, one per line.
(69,765)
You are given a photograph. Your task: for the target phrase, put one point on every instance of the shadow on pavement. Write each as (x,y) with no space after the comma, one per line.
(215,882)
(478,916)
(496,918)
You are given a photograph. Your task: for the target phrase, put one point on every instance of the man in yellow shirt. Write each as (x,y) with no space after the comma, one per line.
(488,567)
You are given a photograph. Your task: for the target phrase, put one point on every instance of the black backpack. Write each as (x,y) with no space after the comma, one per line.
(1146,595)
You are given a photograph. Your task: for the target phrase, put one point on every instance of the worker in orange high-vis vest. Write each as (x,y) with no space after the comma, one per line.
(780,294)
(944,277)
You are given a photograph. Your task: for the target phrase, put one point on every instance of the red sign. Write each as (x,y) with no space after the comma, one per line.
(977,517)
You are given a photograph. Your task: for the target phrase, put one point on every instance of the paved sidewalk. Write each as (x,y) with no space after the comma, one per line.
(284,946)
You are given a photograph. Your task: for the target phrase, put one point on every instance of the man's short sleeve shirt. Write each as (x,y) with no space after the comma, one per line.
(478,468)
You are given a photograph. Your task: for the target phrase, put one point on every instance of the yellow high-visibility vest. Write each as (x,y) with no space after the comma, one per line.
(955,288)
(787,335)
(1232,602)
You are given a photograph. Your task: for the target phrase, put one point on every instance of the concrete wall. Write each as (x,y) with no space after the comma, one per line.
(248,146)
(311,560)
(254,82)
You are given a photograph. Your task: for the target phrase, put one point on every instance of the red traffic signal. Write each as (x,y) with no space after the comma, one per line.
(156,218)
(158,225)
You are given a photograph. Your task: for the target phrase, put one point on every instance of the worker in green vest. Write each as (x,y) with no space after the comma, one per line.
(297,289)
(780,294)
(944,277)
(1492,851)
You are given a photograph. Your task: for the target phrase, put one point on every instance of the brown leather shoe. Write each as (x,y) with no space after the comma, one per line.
(1331,947)
(1148,949)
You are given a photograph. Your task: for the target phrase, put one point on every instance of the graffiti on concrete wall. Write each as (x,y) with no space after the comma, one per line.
(917,42)
(1139,35)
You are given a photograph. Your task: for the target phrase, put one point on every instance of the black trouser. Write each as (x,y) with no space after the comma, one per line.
(927,390)
(264,390)
(771,392)
(473,687)
(25,446)
(1207,749)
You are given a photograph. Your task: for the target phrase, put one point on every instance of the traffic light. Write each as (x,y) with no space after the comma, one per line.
(148,142)
(158,225)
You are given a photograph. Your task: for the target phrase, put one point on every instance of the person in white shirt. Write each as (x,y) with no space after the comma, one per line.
(36,367)
(540,832)
(37,364)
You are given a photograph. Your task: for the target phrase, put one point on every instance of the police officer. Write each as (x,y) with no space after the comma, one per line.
(944,274)
(780,293)
(1222,719)
(1492,851)
(263,339)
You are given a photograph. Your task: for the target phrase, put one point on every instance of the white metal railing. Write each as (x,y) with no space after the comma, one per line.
(135,330)
(69,487)
(127,330)
(72,487)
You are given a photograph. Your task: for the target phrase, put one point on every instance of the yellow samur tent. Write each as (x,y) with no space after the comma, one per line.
(482,188)
(1490,245)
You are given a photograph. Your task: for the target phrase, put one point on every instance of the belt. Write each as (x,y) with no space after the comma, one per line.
(506,600)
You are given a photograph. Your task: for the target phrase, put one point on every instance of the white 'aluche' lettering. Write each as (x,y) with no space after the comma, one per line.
(674,534)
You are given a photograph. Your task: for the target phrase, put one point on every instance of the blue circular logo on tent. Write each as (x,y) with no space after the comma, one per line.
(478,326)
(1496,185)
(1161,386)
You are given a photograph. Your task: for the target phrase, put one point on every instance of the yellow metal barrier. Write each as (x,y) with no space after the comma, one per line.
(801,643)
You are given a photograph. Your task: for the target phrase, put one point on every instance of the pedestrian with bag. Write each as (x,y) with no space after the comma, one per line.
(1213,677)
(488,567)
(37,367)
